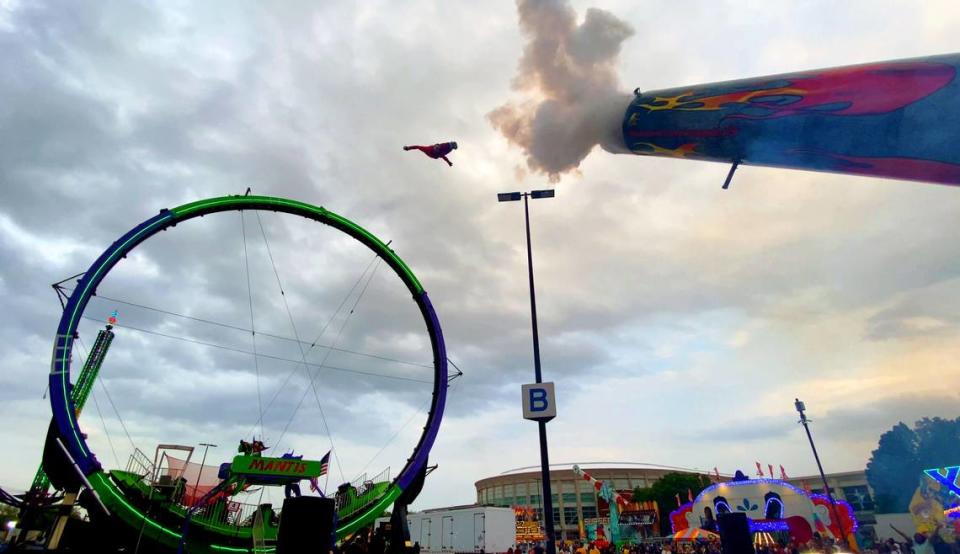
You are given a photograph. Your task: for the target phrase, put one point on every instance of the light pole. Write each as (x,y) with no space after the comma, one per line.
(826,487)
(544,458)
(206,446)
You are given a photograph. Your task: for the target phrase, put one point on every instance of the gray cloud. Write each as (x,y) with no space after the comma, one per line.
(927,312)
(879,415)
(644,268)
(743,431)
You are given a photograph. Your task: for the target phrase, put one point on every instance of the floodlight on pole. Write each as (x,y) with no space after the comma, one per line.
(546,493)
(206,446)
(11,524)
(801,408)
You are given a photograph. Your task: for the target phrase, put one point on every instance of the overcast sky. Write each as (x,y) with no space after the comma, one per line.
(679,321)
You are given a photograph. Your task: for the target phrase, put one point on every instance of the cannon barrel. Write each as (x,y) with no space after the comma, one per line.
(897,119)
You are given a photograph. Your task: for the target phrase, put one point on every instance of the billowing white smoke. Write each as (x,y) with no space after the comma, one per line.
(570,93)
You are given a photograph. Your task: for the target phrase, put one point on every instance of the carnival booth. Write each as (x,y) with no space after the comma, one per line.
(528,526)
(771,506)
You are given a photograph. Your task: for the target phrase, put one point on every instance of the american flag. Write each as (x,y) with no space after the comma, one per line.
(325,463)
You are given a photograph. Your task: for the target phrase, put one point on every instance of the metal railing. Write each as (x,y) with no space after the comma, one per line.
(140,464)
(356,483)
(382,477)
(362,483)
(221,512)
(347,505)
(227,513)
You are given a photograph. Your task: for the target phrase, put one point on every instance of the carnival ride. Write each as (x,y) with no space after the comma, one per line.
(772,506)
(38,498)
(149,497)
(616,502)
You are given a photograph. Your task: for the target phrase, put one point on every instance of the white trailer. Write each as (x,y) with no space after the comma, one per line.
(463,529)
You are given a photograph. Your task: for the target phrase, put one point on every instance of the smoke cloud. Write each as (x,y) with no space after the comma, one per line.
(570,98)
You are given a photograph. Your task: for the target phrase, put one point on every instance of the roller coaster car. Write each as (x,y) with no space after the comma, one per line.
(367,487)
(343,495)
(251,448)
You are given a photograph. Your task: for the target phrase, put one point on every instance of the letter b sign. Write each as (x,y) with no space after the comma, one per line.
(539,402)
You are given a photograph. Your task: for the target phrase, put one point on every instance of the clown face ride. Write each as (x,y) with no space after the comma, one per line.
(771,506)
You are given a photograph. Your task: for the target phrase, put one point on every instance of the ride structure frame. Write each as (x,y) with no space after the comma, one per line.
(62,402)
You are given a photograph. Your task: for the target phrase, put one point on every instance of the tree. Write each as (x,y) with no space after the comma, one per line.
(664,492)
(896,466)
(939,444)
(893,469)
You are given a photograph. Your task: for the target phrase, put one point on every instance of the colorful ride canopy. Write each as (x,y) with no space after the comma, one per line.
(897,119)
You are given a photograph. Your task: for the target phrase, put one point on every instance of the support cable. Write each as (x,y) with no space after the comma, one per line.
(246,330)
(83,356)
(296,335)
(105,430)
(419,410)
(103,385)
(327,324)
(259,354)
(342,303)
(457,375)
(327,354)
(253,332)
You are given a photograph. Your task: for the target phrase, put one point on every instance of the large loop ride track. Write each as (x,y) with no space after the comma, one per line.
(60,384)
